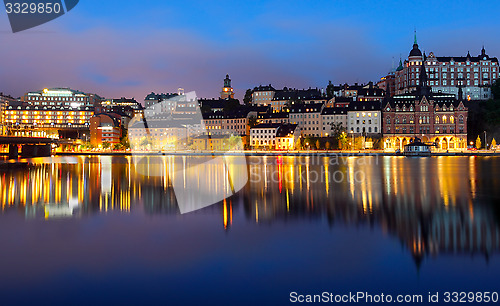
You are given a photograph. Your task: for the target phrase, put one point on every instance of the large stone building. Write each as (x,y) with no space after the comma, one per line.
(445,74)
(437,118)
(52,121)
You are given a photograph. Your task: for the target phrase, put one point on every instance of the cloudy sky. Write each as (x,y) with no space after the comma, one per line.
(130,48)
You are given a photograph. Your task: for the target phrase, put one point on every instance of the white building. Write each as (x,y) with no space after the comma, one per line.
(264,135)
(364,118)
(330,116)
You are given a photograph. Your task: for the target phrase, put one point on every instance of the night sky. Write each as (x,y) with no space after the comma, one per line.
(130,48)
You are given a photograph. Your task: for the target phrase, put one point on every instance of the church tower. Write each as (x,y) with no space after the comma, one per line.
(227,90)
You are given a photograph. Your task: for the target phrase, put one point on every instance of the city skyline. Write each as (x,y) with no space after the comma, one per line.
(133,56)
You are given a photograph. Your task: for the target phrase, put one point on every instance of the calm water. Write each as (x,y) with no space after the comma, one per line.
(93,231)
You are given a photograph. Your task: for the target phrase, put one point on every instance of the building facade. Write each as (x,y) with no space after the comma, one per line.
(104,128)
(308,117)
(436,118)
(263,95)
(48,119)
(445,74)
(364,118)
(331,116)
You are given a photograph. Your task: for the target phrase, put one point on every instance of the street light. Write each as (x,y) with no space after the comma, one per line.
(352,139)
(485,143)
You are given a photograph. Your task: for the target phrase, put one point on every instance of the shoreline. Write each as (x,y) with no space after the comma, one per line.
(269,153)
(277,153)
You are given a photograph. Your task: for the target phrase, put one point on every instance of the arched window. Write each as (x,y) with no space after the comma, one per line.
(452,119)
(404,120)
(437,119)
(461,119)
(420,119)
(388,120)
(444,119)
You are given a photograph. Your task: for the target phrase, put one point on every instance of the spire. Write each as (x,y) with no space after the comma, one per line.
(423,89)
(468,54)
(415,39)
(423,74)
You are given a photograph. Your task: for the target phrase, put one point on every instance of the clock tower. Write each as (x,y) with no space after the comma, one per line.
(227,90)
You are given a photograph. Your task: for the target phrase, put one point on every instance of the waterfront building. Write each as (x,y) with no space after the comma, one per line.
(227,91)
(364,118)
(437,118)
(446,73)
(53,121)
(331,116)
(264,135)
(211,143)
(5,101)
(225,123)
(287,136)
(104,128)
(308,117)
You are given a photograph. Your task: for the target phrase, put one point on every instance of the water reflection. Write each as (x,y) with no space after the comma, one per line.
(432,205)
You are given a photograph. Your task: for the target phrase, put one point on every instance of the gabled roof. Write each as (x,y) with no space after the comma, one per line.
(298,94)
(264,88)
(334,111)
(306,108)
(364,105)
(286,129)
(267,126)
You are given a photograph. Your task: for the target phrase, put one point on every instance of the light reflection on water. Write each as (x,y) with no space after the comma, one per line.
(432,206)
(430,203)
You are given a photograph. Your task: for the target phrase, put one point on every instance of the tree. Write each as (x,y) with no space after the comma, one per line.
(231,104)
(493,144)
(337,129)
(298,144)
(342,141)
(318,144)
(495,89)
(248,97)
(106,145)
(327,145)
(117,146)
(252,121)
(329,90)
(478,142)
